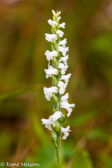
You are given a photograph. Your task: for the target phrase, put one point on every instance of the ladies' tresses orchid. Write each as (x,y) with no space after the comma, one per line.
(57,67)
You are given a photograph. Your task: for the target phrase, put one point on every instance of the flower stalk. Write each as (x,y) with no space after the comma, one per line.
(57,67)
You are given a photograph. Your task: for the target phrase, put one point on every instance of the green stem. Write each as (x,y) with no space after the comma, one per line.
(58,153)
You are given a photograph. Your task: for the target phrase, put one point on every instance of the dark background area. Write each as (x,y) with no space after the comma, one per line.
(23,24)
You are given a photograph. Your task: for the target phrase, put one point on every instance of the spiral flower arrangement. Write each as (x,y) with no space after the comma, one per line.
(57,67)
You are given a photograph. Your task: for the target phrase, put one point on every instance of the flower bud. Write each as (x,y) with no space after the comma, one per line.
(57,127)
(54,138)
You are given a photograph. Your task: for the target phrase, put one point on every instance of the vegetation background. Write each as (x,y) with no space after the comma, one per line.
(23,138)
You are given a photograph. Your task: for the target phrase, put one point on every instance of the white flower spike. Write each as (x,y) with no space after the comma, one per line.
(57,67)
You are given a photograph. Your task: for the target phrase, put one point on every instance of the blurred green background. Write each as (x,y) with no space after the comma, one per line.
(23,138)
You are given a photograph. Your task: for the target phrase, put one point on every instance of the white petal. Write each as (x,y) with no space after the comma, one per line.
(66,77)
(51,54)
(49,92)
(65,131)
(51,120)
(63,50)
(52,23)
(62,87)
(51,37)
(59,12)
(63,42)
(60,33)
(63,68)
(55,116)
(65,97)
(47,123)
(62,25)
(51,71)
(64,59)
(54,13)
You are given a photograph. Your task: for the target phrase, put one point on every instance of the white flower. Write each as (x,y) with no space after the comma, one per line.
(60,33)
(63,50)
(65,131)
(47,123)
(51,71)
(54,13)
(62,87)
(67,106)
(63,42)
(51,37)
(55,116)
(64,59)
(65,97)
(51,120)
(66,77)
(63,67)
(52,23)
(62,25)
(49,92)
(51,54)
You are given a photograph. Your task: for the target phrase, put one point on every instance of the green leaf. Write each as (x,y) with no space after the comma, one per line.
(19,92)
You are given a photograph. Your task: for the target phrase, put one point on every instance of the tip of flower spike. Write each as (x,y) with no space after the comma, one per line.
(54,13)
(59,12)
